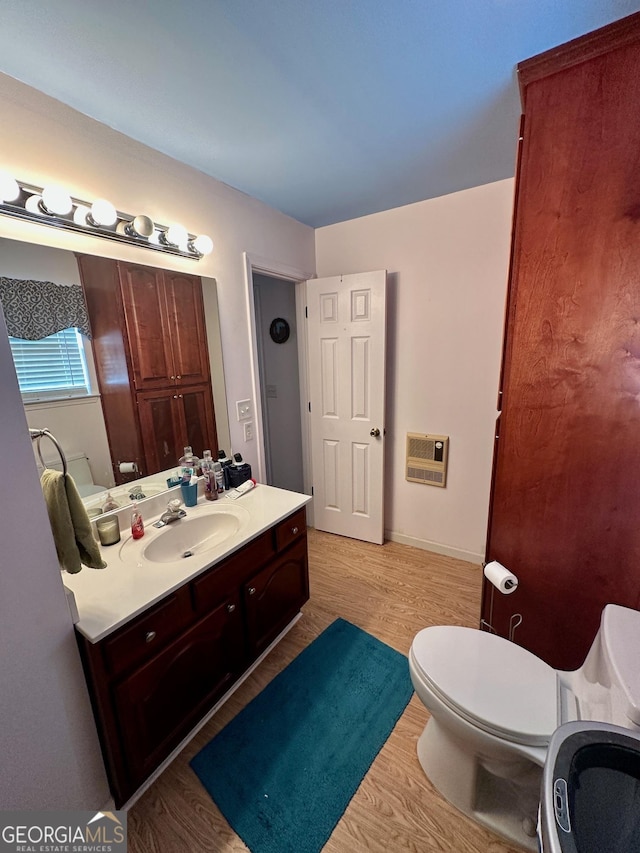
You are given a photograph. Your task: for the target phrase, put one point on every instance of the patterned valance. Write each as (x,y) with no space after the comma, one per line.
(36,309)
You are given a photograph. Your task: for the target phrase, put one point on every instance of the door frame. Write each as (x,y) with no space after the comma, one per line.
(256,264)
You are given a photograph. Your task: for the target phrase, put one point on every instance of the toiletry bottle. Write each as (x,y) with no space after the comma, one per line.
(239,472)
(206,465)
(137,524)
(226,463)
(188,463)
(219,477)
(110,504)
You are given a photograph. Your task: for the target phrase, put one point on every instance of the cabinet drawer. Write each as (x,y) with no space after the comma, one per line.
(290,529)
(149,632)
(210,588)
(159,702)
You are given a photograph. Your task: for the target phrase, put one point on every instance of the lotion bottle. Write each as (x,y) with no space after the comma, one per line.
(137,524)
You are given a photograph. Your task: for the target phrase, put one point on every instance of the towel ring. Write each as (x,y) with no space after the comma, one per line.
(37,434)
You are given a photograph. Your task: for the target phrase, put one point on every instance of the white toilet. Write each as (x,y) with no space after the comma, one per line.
(494,707)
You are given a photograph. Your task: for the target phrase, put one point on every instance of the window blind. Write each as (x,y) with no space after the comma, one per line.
(51,367)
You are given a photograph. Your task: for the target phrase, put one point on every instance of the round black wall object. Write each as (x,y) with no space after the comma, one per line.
(279,330)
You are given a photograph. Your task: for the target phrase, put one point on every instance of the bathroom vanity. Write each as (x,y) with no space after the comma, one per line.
(163,637)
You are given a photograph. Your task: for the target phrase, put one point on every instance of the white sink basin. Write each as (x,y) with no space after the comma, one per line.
(189,537)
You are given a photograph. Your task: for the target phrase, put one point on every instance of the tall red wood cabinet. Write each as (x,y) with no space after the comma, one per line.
(565,503)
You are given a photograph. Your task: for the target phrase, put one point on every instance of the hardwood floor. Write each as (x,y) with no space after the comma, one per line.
(391,591)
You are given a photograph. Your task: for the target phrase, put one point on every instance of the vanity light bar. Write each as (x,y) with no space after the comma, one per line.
(52,205)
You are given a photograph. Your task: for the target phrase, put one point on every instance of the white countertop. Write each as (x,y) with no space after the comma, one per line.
(108,598)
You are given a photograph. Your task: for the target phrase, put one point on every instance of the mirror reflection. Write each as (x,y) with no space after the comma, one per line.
(123,424)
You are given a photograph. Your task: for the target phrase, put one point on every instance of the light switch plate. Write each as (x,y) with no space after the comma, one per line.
(248,431)
(244,409)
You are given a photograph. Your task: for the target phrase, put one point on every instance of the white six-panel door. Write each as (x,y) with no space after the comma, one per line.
(346,332)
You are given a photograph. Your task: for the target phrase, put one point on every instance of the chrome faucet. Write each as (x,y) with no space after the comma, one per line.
(173,512)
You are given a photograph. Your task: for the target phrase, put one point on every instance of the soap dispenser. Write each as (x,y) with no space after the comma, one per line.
(189,463)
(137,524)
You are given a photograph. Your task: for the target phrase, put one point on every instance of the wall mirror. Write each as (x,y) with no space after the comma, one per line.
(78,423)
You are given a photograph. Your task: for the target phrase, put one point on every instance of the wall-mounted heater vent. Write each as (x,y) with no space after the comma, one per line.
(427,459)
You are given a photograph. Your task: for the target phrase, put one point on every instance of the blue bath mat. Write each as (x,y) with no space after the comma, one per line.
(283,771)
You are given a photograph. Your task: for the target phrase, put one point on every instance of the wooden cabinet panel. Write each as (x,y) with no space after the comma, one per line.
(566,495)
(171,419)
(185,311)
(163,699)
(150,631)
(210,586)
(198,425)
(161,426)
(290,529)
(101,286)
(274,595)
(147,325)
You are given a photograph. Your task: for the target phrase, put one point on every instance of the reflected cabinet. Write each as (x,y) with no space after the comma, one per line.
(152,362)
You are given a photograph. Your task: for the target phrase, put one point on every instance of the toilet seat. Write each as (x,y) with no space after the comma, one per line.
(495,685)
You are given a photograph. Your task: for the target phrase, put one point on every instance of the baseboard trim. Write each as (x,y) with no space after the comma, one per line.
(436,547)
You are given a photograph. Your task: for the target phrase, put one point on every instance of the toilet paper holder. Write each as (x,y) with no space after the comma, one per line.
(514,622)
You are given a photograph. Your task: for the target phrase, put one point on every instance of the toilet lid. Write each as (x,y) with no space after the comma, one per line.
(494,684)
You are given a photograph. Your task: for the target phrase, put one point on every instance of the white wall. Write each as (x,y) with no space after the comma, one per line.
(447,260)
(46,753)
(48,743)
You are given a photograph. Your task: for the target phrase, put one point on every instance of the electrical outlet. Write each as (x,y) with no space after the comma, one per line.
(244,409)
(248,431)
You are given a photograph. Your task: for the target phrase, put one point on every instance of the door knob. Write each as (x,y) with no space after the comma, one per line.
(375,432)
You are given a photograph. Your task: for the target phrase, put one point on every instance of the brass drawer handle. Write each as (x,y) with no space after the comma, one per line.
(150,636)
(230,608)
(252,590)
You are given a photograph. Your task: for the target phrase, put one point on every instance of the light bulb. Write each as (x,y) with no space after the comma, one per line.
(140,226)
(9,189)
(80,215)
(34,204)
(203,245)
(177,235)
(103,212)
(56,200)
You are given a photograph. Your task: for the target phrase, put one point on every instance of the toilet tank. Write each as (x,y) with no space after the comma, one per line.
(620,636)
(78,467)
(607,685)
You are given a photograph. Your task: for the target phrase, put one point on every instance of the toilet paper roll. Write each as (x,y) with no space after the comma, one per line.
(501,578)
(128,468)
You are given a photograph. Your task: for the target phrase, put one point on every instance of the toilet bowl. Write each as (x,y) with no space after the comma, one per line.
(494,707)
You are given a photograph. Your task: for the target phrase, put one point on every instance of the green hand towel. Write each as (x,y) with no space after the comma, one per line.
(70,525)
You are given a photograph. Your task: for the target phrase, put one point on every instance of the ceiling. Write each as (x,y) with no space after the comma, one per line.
(325,109)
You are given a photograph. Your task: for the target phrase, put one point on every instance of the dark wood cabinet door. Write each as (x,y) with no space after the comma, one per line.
(197,421)
(274,595)
(160,415)
(100,283)
(566,490)
(172,419)
(159,703)
(148,328)
(185,311)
